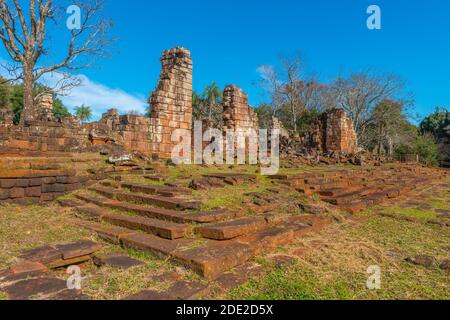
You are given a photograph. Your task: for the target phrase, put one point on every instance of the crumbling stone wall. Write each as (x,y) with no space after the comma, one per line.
(43,110)
(131,132)
(171,102)
(333,132)
(237,114)
(36,183)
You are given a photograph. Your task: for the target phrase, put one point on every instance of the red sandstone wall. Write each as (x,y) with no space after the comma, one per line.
(333,132)
(171,102)
(237,114)
(34,185)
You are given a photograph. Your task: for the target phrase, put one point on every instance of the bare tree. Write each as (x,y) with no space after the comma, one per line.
(290,90)
(25,35)
(361,92)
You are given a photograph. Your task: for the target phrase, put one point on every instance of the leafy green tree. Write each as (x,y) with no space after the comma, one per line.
(305,121)
(207,106)
(436,123)
(59,110)
(387,119)
(427,149)
(17,102)
(212,95)
(198,111)
(83,112)
(4,93)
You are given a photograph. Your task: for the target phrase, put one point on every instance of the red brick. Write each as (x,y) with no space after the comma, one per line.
(7,183)
(4,194)
(33,192)
(17,193)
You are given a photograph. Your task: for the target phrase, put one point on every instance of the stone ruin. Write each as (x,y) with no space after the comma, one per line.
(237,114)
(333,132)
(171,109)
(44,108)
(171,102)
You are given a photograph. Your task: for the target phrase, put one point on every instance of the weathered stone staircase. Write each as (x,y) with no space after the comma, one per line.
(165,221)
(356,190)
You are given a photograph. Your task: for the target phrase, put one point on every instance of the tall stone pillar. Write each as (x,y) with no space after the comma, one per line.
(171,102)
(237,114)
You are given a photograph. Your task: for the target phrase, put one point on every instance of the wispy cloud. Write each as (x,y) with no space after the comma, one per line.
(101,98)
(98,96)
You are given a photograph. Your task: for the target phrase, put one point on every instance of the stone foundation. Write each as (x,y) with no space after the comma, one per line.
(35,185)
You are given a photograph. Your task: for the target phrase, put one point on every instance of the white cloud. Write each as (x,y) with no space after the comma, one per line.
(96,95)
(100,97)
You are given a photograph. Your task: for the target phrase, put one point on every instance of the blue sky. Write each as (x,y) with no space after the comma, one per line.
(230,39)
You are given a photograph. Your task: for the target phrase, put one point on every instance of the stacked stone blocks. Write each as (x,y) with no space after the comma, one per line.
(236,110)
(333,132)
(171,102)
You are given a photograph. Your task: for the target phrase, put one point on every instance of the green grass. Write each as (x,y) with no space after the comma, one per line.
(441,203)
(27,227)
(333,269)
(418,214)
(3,296)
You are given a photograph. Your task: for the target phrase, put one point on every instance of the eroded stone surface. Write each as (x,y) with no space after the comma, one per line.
(24,290)
(187,290)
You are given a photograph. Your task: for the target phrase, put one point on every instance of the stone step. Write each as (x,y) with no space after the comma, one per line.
(356,206)
(210,258)
(330,185)
(164,229)
(112,234)
(377,198)
(361,192)
(165,214)
(159,201)
(343,199)
(157,189)
(233,178)
(136,240)
(213,258)
(155,178)
(339,191)
(231,229)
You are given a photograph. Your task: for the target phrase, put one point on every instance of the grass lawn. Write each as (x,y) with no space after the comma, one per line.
(334,263)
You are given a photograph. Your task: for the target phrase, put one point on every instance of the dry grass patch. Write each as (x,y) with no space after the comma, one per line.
(333,263)
(26,227)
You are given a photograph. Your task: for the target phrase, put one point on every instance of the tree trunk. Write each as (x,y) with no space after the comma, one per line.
(294,118)
(28,99)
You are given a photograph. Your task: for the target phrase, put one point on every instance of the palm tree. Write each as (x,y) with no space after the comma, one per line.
(83,112)
(212,95)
